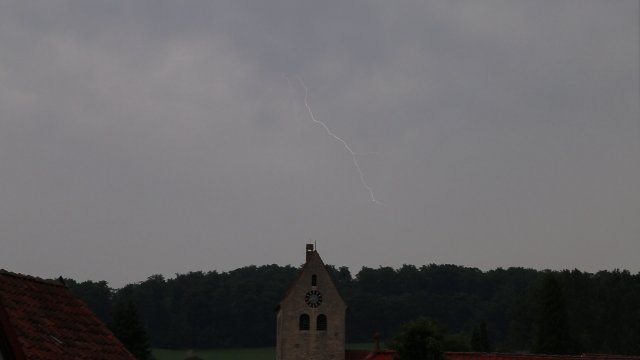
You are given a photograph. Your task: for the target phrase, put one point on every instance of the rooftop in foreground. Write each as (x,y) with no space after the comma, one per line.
(41,319)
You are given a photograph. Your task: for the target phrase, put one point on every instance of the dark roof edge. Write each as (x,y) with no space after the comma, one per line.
(546,356)
(33,278)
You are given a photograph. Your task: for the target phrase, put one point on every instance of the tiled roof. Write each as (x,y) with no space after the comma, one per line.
(42,320)
(498,356)
(356,354)
(381,355)
(389,355)
(369,355)
(608,357)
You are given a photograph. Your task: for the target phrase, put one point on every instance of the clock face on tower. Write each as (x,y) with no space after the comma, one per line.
(313,298)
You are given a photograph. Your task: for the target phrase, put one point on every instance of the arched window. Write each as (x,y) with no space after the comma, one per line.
(314,280)
(321,322)
(304,322)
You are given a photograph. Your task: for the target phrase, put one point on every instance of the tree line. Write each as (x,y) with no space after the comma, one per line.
(514,309)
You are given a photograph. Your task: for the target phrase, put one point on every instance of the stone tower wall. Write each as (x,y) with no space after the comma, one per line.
(312,344)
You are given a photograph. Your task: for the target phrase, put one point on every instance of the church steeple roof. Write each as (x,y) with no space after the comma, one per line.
(312,258)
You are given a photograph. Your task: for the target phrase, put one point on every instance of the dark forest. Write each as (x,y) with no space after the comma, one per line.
(589,312)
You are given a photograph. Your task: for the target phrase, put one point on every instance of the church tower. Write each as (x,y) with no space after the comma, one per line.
(311,316)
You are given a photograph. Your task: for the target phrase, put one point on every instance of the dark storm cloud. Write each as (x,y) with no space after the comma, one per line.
(157,137)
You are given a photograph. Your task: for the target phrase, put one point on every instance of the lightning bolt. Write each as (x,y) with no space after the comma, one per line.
(344,143)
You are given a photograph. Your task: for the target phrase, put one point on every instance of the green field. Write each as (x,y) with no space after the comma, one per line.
(268,353)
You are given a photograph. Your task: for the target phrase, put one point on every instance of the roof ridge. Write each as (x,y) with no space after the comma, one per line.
(32,278)
(301,270)
(545,356)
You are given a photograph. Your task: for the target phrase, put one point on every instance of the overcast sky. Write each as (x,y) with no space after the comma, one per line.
(161,137)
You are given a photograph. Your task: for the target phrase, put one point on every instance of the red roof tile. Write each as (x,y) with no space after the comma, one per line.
(389,355)
(381,355)
(608,357)
(498,356)
(356,354)
(42,320)
(368,355)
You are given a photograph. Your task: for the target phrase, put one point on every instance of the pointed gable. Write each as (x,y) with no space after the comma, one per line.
(311,315)
(42,320)
(324,280)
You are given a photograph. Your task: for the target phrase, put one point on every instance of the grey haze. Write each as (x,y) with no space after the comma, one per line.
(144,137)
